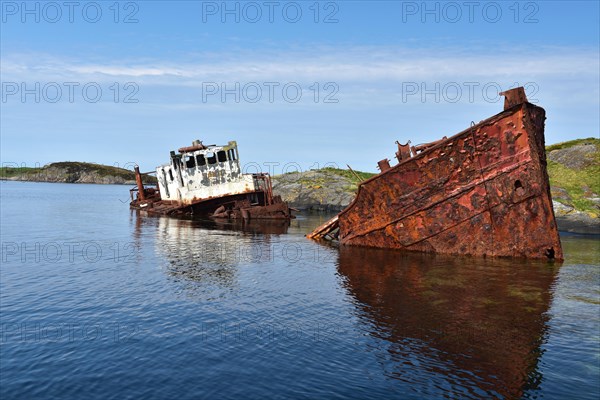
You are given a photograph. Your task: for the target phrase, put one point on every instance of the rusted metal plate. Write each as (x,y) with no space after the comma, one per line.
(484,192)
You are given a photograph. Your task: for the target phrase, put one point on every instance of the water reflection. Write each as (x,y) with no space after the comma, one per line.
(462,326)
(204,255)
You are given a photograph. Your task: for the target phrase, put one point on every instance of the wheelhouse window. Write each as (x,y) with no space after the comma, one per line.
(200,160)
(231,155)
(171,175)
(190,162)
(211,158)
(222,156)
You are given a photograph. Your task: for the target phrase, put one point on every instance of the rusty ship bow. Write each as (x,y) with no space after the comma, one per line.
(483,192)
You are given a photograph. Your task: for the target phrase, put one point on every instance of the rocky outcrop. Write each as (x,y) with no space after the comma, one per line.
(577,157)
(571,220)
(73,172)
(574,170)
(322,190)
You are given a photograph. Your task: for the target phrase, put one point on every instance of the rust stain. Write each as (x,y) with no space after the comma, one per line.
(482,192)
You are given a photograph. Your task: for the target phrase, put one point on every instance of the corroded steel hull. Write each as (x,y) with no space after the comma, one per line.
(483,192)
(225,207)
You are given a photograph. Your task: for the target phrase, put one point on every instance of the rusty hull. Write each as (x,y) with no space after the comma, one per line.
(240,208)
(482,192)
(226,207)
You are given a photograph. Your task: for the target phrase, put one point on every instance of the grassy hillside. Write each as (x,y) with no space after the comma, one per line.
(574,171)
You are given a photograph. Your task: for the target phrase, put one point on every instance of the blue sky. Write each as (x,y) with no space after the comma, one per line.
(297,84)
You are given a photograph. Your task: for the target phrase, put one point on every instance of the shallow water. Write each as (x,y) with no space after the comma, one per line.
(99,302)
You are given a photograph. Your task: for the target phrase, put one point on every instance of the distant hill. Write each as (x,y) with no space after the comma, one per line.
(73,172)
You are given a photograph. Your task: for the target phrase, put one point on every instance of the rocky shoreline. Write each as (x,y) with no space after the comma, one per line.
(573,221)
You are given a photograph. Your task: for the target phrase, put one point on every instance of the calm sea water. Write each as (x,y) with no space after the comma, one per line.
(98,302)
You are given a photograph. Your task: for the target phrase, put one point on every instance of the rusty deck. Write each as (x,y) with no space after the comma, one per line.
(225,207)
(483,192)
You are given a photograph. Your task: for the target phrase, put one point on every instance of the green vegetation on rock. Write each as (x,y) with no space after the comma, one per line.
(571,143)
(327,188)
(10,172)
(574,171)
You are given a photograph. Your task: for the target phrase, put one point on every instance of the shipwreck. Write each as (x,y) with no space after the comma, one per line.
(482,192)
(207,180)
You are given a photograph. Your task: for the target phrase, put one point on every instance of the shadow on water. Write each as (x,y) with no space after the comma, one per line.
(477,322)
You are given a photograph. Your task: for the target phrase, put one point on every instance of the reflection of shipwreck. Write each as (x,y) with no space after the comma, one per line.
(484,191)
(207,180)
(474,328)
(204,255)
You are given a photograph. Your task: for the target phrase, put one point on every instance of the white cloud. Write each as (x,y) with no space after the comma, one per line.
(362,64)
(370,91)
(365,75)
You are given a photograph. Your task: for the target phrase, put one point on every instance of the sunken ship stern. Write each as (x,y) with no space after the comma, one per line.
(483,192)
